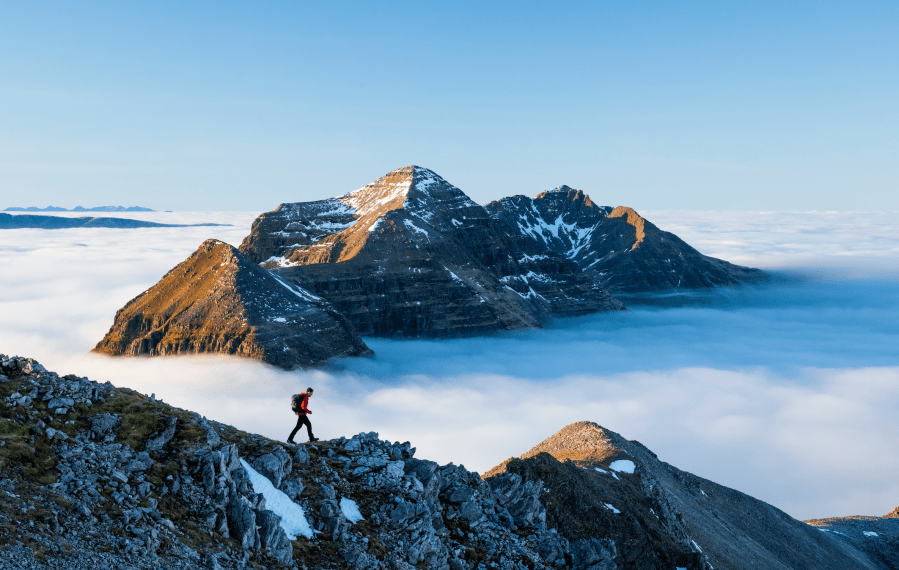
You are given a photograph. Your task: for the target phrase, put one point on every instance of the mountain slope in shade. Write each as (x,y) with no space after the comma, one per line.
(878,536)
(622,251)
(218,301)
(410,254)
(599,485)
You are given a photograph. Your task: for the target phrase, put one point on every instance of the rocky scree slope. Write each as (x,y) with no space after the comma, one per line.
(621,250)
(99,477)
(596,483)
(94,476)
(411,255)
(218,301)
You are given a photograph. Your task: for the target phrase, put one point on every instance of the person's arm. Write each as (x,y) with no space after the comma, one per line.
(305,405)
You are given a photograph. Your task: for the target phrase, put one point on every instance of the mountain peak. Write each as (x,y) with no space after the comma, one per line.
(583,441)
(219,301)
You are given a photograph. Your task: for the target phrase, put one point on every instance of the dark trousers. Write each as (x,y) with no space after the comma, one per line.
(301,419)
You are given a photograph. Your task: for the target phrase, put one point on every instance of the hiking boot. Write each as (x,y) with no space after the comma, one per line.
(291,442)
(313,439)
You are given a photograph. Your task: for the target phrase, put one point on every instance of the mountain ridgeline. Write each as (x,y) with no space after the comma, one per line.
(97,476)
(411,256)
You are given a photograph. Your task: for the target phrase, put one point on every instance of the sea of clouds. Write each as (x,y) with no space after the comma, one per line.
(787,391)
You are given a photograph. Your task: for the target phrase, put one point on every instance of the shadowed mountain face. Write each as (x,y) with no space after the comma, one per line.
(412,255)
(218,301)
(597,484)
(617,247)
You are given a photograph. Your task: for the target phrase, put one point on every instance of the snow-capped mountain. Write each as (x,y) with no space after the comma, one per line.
(218,301)
(411,254)
(621,250)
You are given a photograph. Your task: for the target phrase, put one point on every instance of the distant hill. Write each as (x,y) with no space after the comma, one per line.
(80,209)
(10,222)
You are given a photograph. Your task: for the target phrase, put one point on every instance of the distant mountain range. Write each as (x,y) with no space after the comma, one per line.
(81,209)
(21,221)
(411,256)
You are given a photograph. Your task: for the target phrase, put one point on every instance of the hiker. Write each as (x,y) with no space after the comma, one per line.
(300,405)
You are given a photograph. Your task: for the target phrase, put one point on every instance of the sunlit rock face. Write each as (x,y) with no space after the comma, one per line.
(219,302)
(411,255)
(619,249)
(598,485)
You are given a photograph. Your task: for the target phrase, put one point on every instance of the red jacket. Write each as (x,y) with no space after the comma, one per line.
(304,405)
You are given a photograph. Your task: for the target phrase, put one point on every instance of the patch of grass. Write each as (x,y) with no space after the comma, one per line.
(17,455)
(174,510)
(198,537)
(476,554)
(377,549)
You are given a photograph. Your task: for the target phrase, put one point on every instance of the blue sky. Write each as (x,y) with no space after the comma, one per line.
(240,106)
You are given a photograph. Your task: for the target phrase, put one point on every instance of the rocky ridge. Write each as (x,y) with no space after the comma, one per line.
(621,250)
(96,476)
(100,477)
(411,255)
(218,301)
(599,484)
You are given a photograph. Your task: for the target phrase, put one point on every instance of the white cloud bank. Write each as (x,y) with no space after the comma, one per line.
(787,392)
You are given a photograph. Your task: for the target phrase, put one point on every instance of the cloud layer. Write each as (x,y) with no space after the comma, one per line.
(787,392)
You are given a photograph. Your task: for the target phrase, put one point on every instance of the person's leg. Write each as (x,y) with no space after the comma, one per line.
(297,428)
(308,427)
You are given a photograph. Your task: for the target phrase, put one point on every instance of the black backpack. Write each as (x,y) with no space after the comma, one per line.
(296,402)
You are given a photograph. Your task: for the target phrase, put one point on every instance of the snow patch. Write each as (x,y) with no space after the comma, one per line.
(279,320)
(611,508)
(870,533)
(453,275)
(298,291)
(293,518)
(411,225)
(623,466)
(350,510)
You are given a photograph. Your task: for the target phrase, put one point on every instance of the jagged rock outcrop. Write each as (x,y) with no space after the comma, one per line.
(617,247)
(83,500)
(410,254)
(600,485)
(218,301)
(86,485)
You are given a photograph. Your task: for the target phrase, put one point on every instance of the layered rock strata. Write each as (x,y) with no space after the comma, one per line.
(621,250)
(219,302)
(412,255)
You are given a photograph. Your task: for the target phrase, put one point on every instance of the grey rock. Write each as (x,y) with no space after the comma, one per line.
(301,456)
(160,440)
(242,522)
(274,466)
(593,554)
(272,537)
(293,488)
(105,424)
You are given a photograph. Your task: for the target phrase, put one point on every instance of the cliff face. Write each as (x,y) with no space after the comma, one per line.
(412,255)
(219,302)
(622,251)
(598,483)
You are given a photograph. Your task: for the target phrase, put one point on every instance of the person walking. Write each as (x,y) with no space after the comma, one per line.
(300,406)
